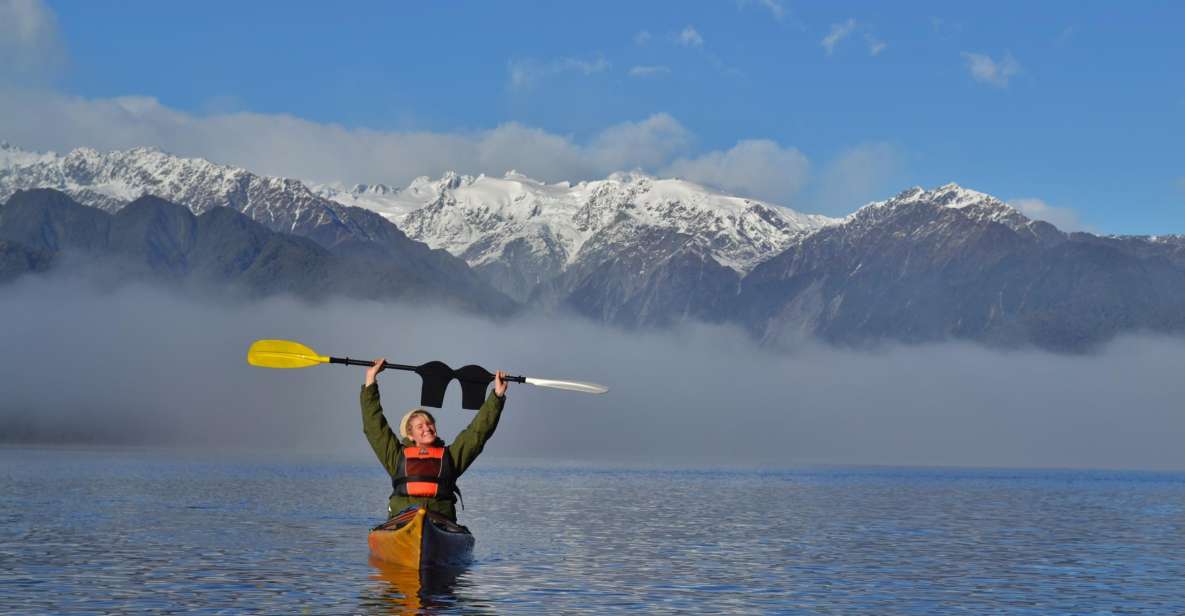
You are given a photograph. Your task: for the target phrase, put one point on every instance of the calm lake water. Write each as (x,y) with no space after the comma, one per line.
(85,531)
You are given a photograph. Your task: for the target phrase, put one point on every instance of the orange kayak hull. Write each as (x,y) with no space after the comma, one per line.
(419,539)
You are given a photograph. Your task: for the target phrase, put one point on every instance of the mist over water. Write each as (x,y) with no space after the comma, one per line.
(140,365)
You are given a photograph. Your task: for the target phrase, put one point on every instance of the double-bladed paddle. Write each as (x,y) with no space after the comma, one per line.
(290,354)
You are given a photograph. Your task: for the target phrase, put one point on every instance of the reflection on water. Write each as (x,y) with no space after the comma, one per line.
(112,532)
(408,591)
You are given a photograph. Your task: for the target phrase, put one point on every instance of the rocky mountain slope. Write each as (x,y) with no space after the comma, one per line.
(110,180)
(221,250)
(956,264)
(522,234)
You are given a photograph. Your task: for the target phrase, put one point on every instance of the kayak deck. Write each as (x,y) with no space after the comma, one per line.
(421,539)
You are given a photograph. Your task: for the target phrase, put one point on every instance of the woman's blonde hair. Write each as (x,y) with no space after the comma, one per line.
(405,424)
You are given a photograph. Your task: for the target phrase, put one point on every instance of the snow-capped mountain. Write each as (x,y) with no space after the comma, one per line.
(523,233)
(954,263)
(971,204)
(517,233)
(111,180)
(925,265)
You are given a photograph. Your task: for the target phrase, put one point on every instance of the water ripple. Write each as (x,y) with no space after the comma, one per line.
(109,532)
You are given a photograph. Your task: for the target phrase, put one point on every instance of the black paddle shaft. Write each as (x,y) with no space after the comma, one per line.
(435,377)
(390,366)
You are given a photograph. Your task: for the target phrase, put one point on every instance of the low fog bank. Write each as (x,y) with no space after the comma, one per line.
(143,366)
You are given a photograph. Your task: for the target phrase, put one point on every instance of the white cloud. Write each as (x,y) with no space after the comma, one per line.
(526,72)
(690,37)
(223,104)
(285,145)
(30,44)
(288,146)
(775,7)
(860,174)
(838,33)
(1063,218)
(875,45)
(649,71)
(642,37)
(841,31)
(985,69)
(646,145)
(754,168)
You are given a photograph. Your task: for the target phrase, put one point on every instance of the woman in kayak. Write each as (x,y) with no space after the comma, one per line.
(423,469)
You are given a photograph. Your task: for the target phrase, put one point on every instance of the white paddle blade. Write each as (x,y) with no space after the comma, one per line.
(588,388)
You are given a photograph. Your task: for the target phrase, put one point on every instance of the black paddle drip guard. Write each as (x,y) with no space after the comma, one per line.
(436,375)
(475,380)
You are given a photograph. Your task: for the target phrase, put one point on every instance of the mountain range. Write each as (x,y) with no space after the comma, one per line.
(109,181)
(221,251)
(632,250)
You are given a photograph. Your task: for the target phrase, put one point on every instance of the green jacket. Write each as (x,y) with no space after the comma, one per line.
(462,452)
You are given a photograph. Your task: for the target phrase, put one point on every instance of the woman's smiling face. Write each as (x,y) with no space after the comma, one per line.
(422,431)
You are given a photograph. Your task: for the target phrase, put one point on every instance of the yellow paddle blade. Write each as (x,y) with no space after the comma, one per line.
(283,354)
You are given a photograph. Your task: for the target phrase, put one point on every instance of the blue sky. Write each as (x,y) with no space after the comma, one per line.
(1072,110)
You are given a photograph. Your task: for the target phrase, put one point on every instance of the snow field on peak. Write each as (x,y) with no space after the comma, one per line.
(977,205)
(111,180)
(474,217)
(455,212)
(12,157)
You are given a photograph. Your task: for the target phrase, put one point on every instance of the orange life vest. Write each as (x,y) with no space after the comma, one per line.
(425,472)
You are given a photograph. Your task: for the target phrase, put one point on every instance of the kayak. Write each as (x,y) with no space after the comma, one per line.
(420,539)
